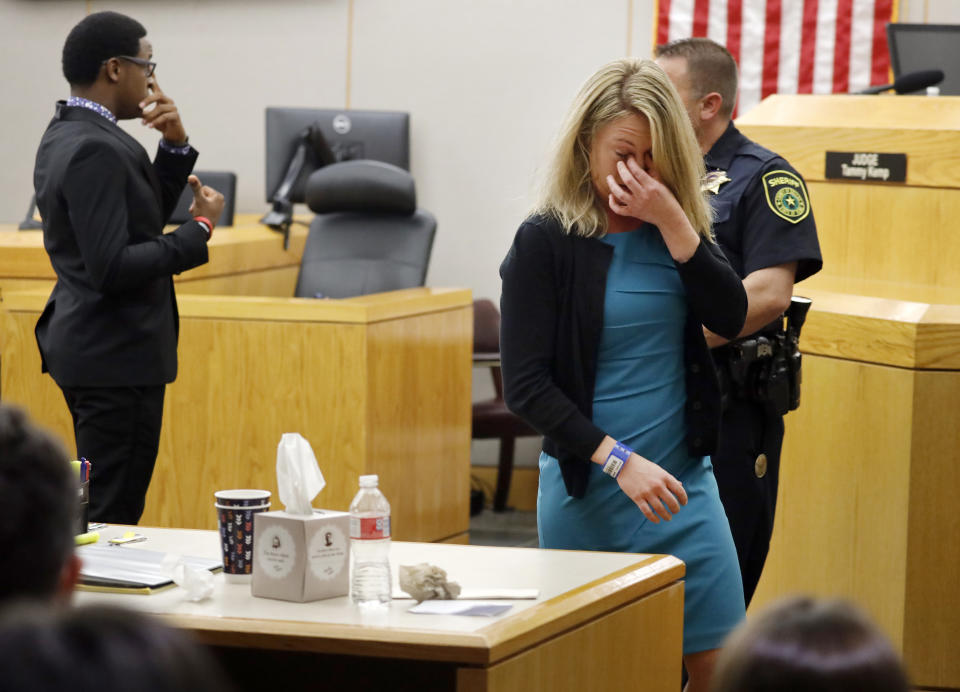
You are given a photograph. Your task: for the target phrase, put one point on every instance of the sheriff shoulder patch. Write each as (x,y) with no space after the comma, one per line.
(786,196)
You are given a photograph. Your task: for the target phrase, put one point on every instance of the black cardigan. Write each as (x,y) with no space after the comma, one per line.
(552,315)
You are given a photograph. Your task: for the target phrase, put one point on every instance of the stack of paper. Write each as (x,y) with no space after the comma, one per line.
(115,568)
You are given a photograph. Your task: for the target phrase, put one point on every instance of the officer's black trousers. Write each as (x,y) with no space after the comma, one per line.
(118,430)
(747,430)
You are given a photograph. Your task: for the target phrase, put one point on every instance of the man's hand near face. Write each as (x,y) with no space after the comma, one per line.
(160,113)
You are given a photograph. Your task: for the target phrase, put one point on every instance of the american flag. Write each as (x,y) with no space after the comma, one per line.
(789,46)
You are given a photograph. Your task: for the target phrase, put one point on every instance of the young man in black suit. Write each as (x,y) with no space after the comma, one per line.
(108,335)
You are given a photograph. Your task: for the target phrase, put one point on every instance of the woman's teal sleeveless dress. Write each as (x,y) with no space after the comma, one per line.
(639,400)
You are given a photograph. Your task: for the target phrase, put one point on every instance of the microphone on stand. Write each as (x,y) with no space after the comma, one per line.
(907,83)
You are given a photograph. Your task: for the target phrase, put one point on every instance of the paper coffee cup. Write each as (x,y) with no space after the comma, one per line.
(235,511)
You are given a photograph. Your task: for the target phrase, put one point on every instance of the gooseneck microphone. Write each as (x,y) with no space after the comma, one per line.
(907,83)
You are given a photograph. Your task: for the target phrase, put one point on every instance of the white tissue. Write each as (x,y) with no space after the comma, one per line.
(298,476)
(198,583)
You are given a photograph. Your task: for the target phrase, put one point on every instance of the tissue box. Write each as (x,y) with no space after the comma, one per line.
(301,558)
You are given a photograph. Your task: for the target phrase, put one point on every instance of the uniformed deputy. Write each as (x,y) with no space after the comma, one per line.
(765,227)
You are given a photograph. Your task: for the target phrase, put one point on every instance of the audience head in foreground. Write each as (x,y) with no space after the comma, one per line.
(38,504)
(802,644)
(100,649)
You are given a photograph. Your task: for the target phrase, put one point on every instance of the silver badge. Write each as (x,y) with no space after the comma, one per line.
(712,181)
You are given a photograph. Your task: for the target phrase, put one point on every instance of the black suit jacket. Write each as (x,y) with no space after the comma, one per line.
(112,317)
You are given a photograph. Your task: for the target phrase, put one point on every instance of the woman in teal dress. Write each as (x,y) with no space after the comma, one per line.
(606,291)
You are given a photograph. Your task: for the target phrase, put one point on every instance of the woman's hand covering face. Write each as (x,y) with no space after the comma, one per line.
(640,194)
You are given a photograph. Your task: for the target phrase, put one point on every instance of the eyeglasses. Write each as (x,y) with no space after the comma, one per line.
(148,67)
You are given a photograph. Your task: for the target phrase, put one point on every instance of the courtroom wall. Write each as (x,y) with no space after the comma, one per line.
(486,83)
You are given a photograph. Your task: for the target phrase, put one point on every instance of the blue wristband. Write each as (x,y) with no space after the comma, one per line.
(617,459)
(178,149)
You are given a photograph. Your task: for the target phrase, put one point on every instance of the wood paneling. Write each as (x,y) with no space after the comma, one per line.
(245,259)
(358,310)
(21,381)
(418,417)
(509,637)
(281,283)
(630,649)
(22,255)
(882,330)
(240,386)
(867,506)
(889,233)
(376,386)
(843,506)
(932,626)
(249,246)
(8,285)
(801,128)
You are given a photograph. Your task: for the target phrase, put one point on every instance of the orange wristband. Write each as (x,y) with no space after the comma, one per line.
(204,221)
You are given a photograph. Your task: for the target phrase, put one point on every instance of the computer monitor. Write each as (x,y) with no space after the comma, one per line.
(915,47)
(349,134)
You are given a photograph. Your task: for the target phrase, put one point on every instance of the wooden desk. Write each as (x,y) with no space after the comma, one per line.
(245,259)
(869,472)
(377,384)
(603,621)
(871,460)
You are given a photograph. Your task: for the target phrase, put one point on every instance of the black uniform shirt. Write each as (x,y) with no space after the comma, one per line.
(763,215)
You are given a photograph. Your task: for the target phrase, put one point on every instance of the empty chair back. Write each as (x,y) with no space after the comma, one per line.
(223,182)
(368,235)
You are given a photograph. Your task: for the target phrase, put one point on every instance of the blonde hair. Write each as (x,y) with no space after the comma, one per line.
(624,87)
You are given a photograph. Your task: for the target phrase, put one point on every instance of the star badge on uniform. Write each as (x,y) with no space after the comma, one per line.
(786,195)
(712,181)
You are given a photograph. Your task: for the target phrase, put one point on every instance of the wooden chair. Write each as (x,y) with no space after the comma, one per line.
(491,418)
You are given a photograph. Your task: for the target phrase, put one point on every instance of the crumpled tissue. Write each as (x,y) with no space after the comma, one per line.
(426,582)
(197,582)
(298,476)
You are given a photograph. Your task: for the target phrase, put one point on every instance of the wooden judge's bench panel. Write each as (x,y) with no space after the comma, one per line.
(246,259)
(871,461)
(377,384)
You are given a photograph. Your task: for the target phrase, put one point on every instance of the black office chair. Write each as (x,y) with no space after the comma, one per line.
(368,235)
(223,182)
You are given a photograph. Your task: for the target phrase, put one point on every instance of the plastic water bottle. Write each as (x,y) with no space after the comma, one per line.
(370,544)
